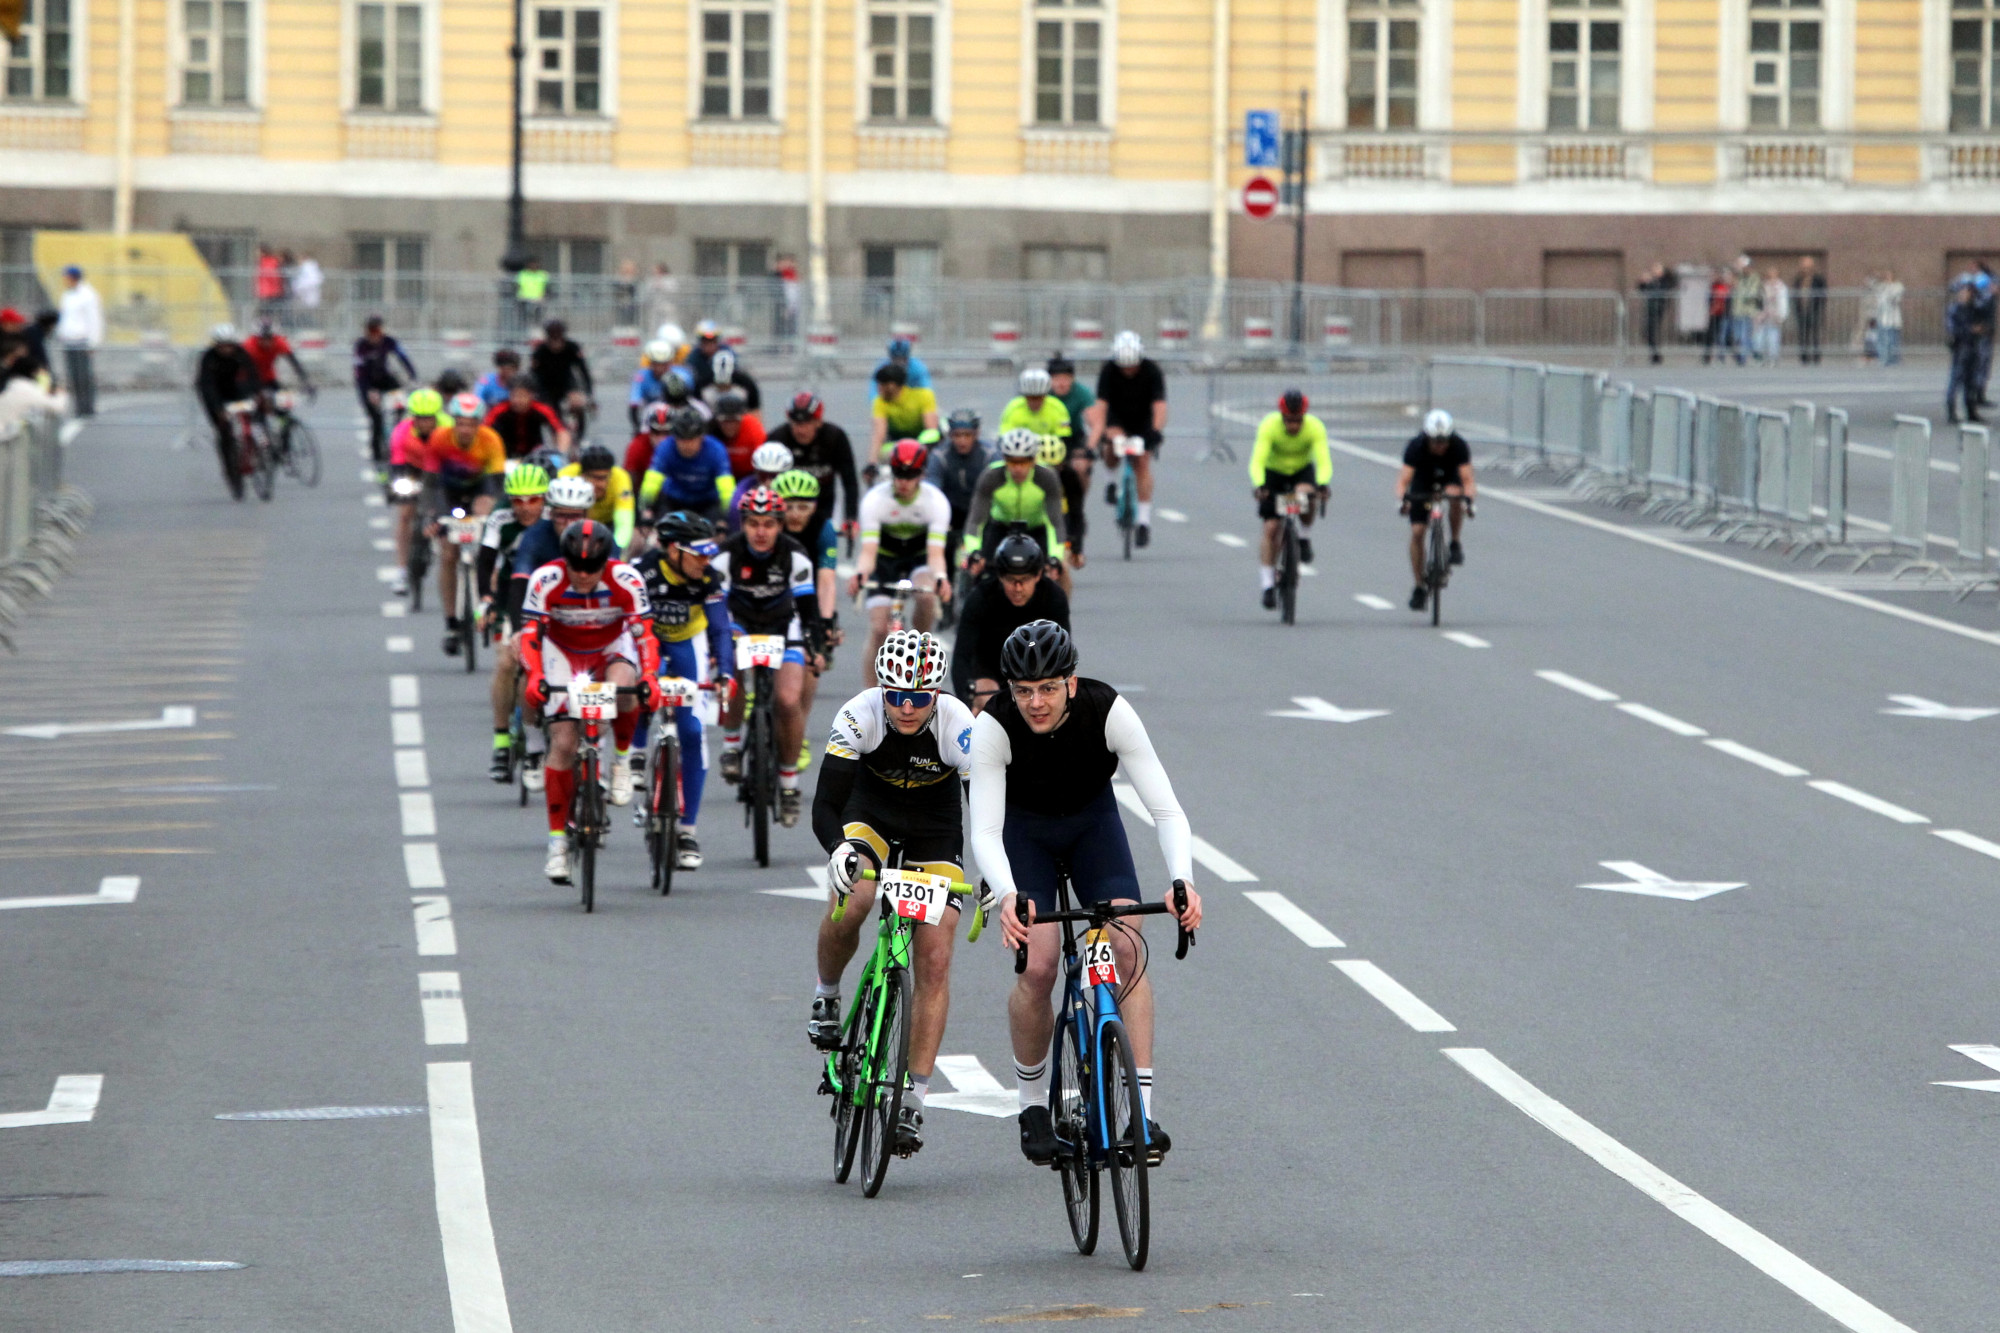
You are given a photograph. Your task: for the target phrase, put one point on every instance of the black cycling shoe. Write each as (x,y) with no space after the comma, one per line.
(1457,554)
(1271,598)
(451,639)
(1143,536)
(1038,1136)
(909,1131)
(1305,550)
(1158,1145)
(502,768)
(823,1029)
(638,759)
(1420,597)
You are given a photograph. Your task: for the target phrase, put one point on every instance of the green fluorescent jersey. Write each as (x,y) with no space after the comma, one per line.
(1053,419)
(1277,451)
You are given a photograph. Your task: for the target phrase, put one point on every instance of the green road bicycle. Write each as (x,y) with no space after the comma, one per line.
(867,1073)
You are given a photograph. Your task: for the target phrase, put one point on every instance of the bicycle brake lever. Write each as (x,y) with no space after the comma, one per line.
(1184,936)
(1021,950)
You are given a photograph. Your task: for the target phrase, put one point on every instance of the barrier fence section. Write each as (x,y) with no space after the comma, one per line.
(30,473)
(1974,518)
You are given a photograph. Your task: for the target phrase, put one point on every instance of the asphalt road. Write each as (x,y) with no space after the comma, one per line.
(1501,1101)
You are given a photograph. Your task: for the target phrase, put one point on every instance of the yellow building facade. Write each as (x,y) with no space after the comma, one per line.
(1469,143)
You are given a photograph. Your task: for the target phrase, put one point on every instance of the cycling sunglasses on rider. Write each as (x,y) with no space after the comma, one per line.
(908,698)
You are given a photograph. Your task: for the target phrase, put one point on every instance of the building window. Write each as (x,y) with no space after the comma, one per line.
(732,259)
(232,257)
(736,61)
(389,57)
(567,55)
(1784,64)
(1975,78)
(389,269)
(1584,65)
(902,45)
(215,57)
(900,279)
(1069,62)
(1064,263)
(1382,65)
(38,61)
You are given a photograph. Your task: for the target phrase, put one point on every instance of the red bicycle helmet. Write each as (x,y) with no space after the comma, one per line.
(1293,403)
(764,500)
(586,546)
(806,406)
(908,459)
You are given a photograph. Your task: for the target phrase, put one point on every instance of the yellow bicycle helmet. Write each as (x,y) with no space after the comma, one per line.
(1052,451)
(425,403)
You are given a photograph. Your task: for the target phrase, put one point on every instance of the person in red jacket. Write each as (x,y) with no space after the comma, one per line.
(739,430)
(653,428)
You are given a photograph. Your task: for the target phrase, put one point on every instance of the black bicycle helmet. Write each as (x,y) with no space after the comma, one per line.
(1292,403)
(678,527)
(687,424)
(1018,553)
(1061,365)
(596,458)
(449,384)
(1038,650)
(963,419)
(586,546)
(891,373)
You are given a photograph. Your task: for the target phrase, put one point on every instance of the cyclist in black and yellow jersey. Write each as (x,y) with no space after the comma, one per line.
(690,619)
(1290,452)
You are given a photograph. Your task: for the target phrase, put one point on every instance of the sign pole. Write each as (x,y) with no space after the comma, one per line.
(1302,156)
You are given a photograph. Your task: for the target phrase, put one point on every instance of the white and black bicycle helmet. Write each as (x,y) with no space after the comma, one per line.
(1034,382)
(723,367)
(1019,442)
(1437,424)
(1038,650)
(911,660)
(571,493)
(1127,349)
(772,457)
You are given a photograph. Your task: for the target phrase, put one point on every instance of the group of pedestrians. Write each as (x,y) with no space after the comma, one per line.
(1749,310)
(287,283)
(76,327)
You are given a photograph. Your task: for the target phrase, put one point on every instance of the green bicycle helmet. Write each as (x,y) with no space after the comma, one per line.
(425,403)
(798,484)
(525,479)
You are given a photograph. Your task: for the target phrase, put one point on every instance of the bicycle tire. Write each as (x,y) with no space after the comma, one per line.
(760,771)
(418,565)
(1435,568)
(1069,1109)
(663,776)
(468,618)
(584,835)
(302,452)
(263,470)
(1118,1103)
(885,1094)
(1128,505)
(1288,573)
(847,1062)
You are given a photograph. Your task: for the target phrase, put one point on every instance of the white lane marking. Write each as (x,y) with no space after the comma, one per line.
(1171,515)
(1969,841)
(436,936)
(403,691)
(170,718)
(406,729)
(419,814)
(471,1261)
(807,892)
(1230,539)
(1582,687)
(444,1008)
(1985,1055)
(1749,1244)
(1867,802)
(374,500)
(325,1113)
(1315,709)
(1295,919)
(380,522)
(1758,757)
(73,1102)
(383,544)
(973,1089)
(400,643)
(1374,603)
(1220,865)
(411,770)
(1460,637)
(1659,719)
(395,610)
(422,866)
(387,573)
(1394,996)
(1651,883)
(110,889)
(368,475)
(1915,705)
(1128,796)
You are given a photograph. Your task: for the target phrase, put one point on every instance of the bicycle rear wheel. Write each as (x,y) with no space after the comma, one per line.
(761,772)
(1119,1104)
(587,827)
(663,787)
(263,468)
(1128,505)
(885,1091)
(1436,564)
(1069,1108)
(847,1065)
(302,452)
(468,618)
(1288,572)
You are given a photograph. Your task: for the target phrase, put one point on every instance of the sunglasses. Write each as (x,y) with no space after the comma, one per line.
(908,698)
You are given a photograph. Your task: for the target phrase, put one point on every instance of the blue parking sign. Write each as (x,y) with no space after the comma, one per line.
(1260,139)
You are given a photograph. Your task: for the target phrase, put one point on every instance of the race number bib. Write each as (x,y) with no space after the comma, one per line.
(1131,446)
(465,531)
(918,896)
(594,700)
(678,692)
(760,650)
(1100,965)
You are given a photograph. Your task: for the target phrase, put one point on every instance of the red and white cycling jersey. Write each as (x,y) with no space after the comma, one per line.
(585,623)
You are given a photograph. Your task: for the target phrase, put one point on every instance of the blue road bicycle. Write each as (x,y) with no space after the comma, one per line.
(1094,1097)
(1125,490)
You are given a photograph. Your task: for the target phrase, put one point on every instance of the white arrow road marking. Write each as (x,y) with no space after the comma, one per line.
(170,717)
(444,1008)
(1374,603)
(1653,884)
(1985,1055)
(976,1090)
(1915,705)
(110,889)
(1230,539)
(815,892)
(1295,919)
(74,1102)
(435,933)
(1315,709)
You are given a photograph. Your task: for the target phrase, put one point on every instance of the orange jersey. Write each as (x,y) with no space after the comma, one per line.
(464,467)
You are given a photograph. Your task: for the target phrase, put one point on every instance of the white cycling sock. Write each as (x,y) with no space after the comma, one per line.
(824,990)
(1267,577)
(1146,1091)
(732,740)
(1034,1084)
(788,779)
(920,1088)
(538,742)
(1145,513)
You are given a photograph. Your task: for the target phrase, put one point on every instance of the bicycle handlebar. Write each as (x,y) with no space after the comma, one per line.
(957,888)
(1101,914)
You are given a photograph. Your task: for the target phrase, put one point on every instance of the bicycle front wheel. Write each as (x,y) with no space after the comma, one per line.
(263,468)
(663,786)
(1069,1108)
(884,1100)
(1436,565)
(1128,505)
(761,772)
(1288,572)
(1120,1104)
(302,452)
(586,828)
(468,618)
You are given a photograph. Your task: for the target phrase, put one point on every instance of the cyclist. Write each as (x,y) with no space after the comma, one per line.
(373,377)
(492,386)
(690,469)
(563,374)
(741,433)
(612,487)
(1037,409)
(800,492)
(727,377)
(700,358)
(568,503)
(903,526)
(765,465)
(957,472)
(265,347)
(586,616)
(690,606)
(1012,592)
(524,423)
(893,764)
(1132,400)
(1042,758)
(1290,453)
(1436,462)
(649,380)
(646,442)
(823,449)
(409,443)
(772,591)
(225,374)
(901,352)
(1018,490)
(527,487)
(463,466)
(900,412)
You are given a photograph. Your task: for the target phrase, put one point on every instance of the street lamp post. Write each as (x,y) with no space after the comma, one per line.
(516,257)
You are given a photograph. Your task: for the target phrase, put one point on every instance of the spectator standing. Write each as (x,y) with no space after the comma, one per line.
(662,294)
(1809,306)
(80,330)
(1962,336)
(1777,306)
(1658,288)
(270,281)
(788,295)
(1715,340)
(307,283)
(626,291)
(1889,319)
(1746,298)
(531,289)
(1984,299)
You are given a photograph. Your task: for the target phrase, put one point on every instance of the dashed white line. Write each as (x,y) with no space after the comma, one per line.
(1969,841)
(373,500)
(1758,757)
(1749,1244)
(1223,868)
(73,1101)
(471,1261)
(383,544)
(436,936)
(403,692)
(1394,996)
(387,573)
(395,610)
(368,475)
(419,815)
(1886,809)
(1582,687)
(1230,539)
(444,1008)
(380,522)
(1295,919)
(400,643)
(406,728)
(1460,637)
(1128,796)
(411,769)
(422,865)
(1659,719)
(1171,515)
(1374,603)
(1308,571)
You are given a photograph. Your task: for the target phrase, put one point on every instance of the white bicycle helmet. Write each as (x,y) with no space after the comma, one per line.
(707,328)
(571,493)
(911,660)
(772,457)
(659,352)
(222,333)
(1019,442)
(1437,424)
(1034,382)
(1126,349)
(670,333)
